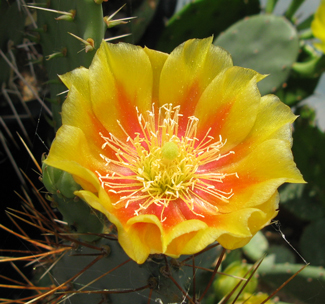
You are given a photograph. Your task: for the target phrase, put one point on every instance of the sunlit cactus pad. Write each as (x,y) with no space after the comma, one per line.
(268,44)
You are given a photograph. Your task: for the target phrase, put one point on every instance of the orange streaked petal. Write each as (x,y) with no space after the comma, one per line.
(260,174)
(271,159)
(83,118)
(142,238)
(188,71)
(122,75)
(274,120)
(79,103)
(231,98)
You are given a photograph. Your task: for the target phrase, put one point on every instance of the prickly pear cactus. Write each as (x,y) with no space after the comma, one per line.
(305,286)
(84,262)
(305,76)
(71,31)
(203,18)
(113,278)
(12,21)
(143,16)
(312,242)
(266,43)
(81,218)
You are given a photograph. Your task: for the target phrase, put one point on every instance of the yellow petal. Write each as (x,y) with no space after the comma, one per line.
(70,152)
(121,81)
(181,234)
(229,105)
(157,60)
(246,220)
(273,121)
(260,174)
(271,159)
(318,26)
(133,241)
(193,242)
(272,116)
(320,46)
(188,71)
(83,118)
(79,103)
(142,238)
(79,77)
(99,201)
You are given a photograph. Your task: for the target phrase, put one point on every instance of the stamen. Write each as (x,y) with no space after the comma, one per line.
(157,167)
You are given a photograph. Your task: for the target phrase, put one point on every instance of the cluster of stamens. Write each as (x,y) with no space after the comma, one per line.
(158,167)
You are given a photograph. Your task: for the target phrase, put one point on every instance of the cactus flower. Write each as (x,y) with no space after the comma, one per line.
(177,150)
(248,298)
(318,26)
(224,284)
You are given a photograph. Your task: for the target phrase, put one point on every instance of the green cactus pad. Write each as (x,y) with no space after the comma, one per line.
(77,213)
(307,286)
(128,276)
(57,181)
(81,218)
(232,256)
(312,243)
(281,254)
(12,21)
(304,79)
(297,89)
(302,201)
(306,201)
(88,23)
(257,247)
(203,18)
(144,15)
(265,43)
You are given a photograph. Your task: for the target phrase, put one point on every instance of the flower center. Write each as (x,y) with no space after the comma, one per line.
(158,166)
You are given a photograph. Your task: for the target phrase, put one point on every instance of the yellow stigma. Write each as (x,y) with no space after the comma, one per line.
(158,166)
